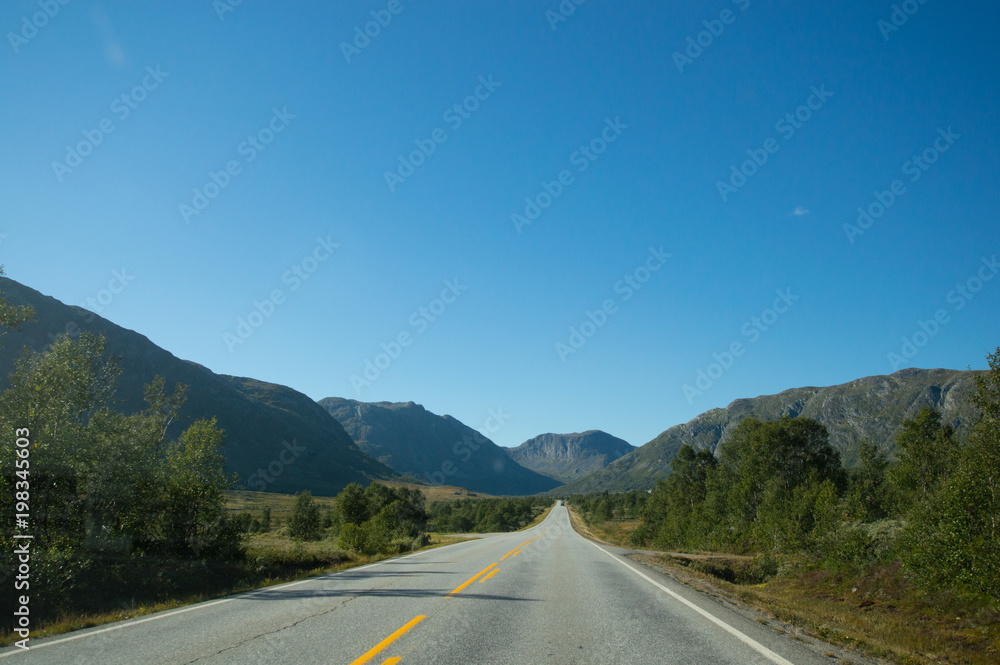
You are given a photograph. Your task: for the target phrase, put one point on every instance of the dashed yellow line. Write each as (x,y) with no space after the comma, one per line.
(392,661)
(492,573)
(472,579)
(387,641)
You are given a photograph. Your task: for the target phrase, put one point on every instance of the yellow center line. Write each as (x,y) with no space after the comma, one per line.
(492,573)
(387,641)
(471,580)
(515,552)
(392,661)
(509,553)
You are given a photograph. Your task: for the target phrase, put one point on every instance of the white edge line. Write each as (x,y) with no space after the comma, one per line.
(189,608)
(170,613)
(746,639)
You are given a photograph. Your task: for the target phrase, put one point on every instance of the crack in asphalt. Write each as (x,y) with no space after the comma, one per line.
(272,632)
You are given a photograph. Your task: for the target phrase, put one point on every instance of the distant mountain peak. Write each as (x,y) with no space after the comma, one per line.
(435,449)
(568,457)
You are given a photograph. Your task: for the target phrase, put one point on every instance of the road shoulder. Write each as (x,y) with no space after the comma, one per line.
(657,566)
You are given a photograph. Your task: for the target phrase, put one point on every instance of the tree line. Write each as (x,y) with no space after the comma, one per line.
(485,515)
(778,489)
(125,506)
(386,520)
(373,520)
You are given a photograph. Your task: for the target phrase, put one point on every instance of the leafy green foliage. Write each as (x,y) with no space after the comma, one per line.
(485,515)
(110,493)
(777,489)
(305,522)
(774,488)
(870,494)
(928,450)
(953,537)
(12,316)
(379,519)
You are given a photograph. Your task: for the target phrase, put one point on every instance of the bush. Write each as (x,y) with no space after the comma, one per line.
(304,524)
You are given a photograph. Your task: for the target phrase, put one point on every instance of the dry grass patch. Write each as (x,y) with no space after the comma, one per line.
(877,613)
(272,558)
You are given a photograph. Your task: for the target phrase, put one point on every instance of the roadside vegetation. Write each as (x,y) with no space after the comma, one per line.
(900,557)
(486,515)
(126,518)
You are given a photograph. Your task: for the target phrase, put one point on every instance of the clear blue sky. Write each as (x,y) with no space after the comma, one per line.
(681,126)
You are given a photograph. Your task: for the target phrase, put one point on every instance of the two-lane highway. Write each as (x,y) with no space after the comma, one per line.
(544,595)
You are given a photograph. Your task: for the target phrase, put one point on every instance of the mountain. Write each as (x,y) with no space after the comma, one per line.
(435,449)
(277,439)
(871,408)
(569,457)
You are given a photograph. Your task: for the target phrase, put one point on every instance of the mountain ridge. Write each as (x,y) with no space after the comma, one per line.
(277,438)
(870,407)
(438,449)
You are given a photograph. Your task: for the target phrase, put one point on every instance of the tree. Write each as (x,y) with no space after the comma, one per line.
(953,539)
(868,497)
(12,316)
(690,470)
(784,453)
(927,452)
(672,514)
(304,524)
(352,505)
(195,481)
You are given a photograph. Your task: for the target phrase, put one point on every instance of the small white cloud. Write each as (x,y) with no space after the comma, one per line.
(799,211)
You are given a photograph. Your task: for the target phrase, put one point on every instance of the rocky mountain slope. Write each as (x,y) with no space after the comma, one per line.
(277,439)
(869,408)
(434,449)
(569,457)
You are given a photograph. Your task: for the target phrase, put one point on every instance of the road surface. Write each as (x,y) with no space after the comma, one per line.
(544,595)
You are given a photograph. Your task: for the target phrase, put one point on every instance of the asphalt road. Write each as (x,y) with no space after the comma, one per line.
(545,595)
